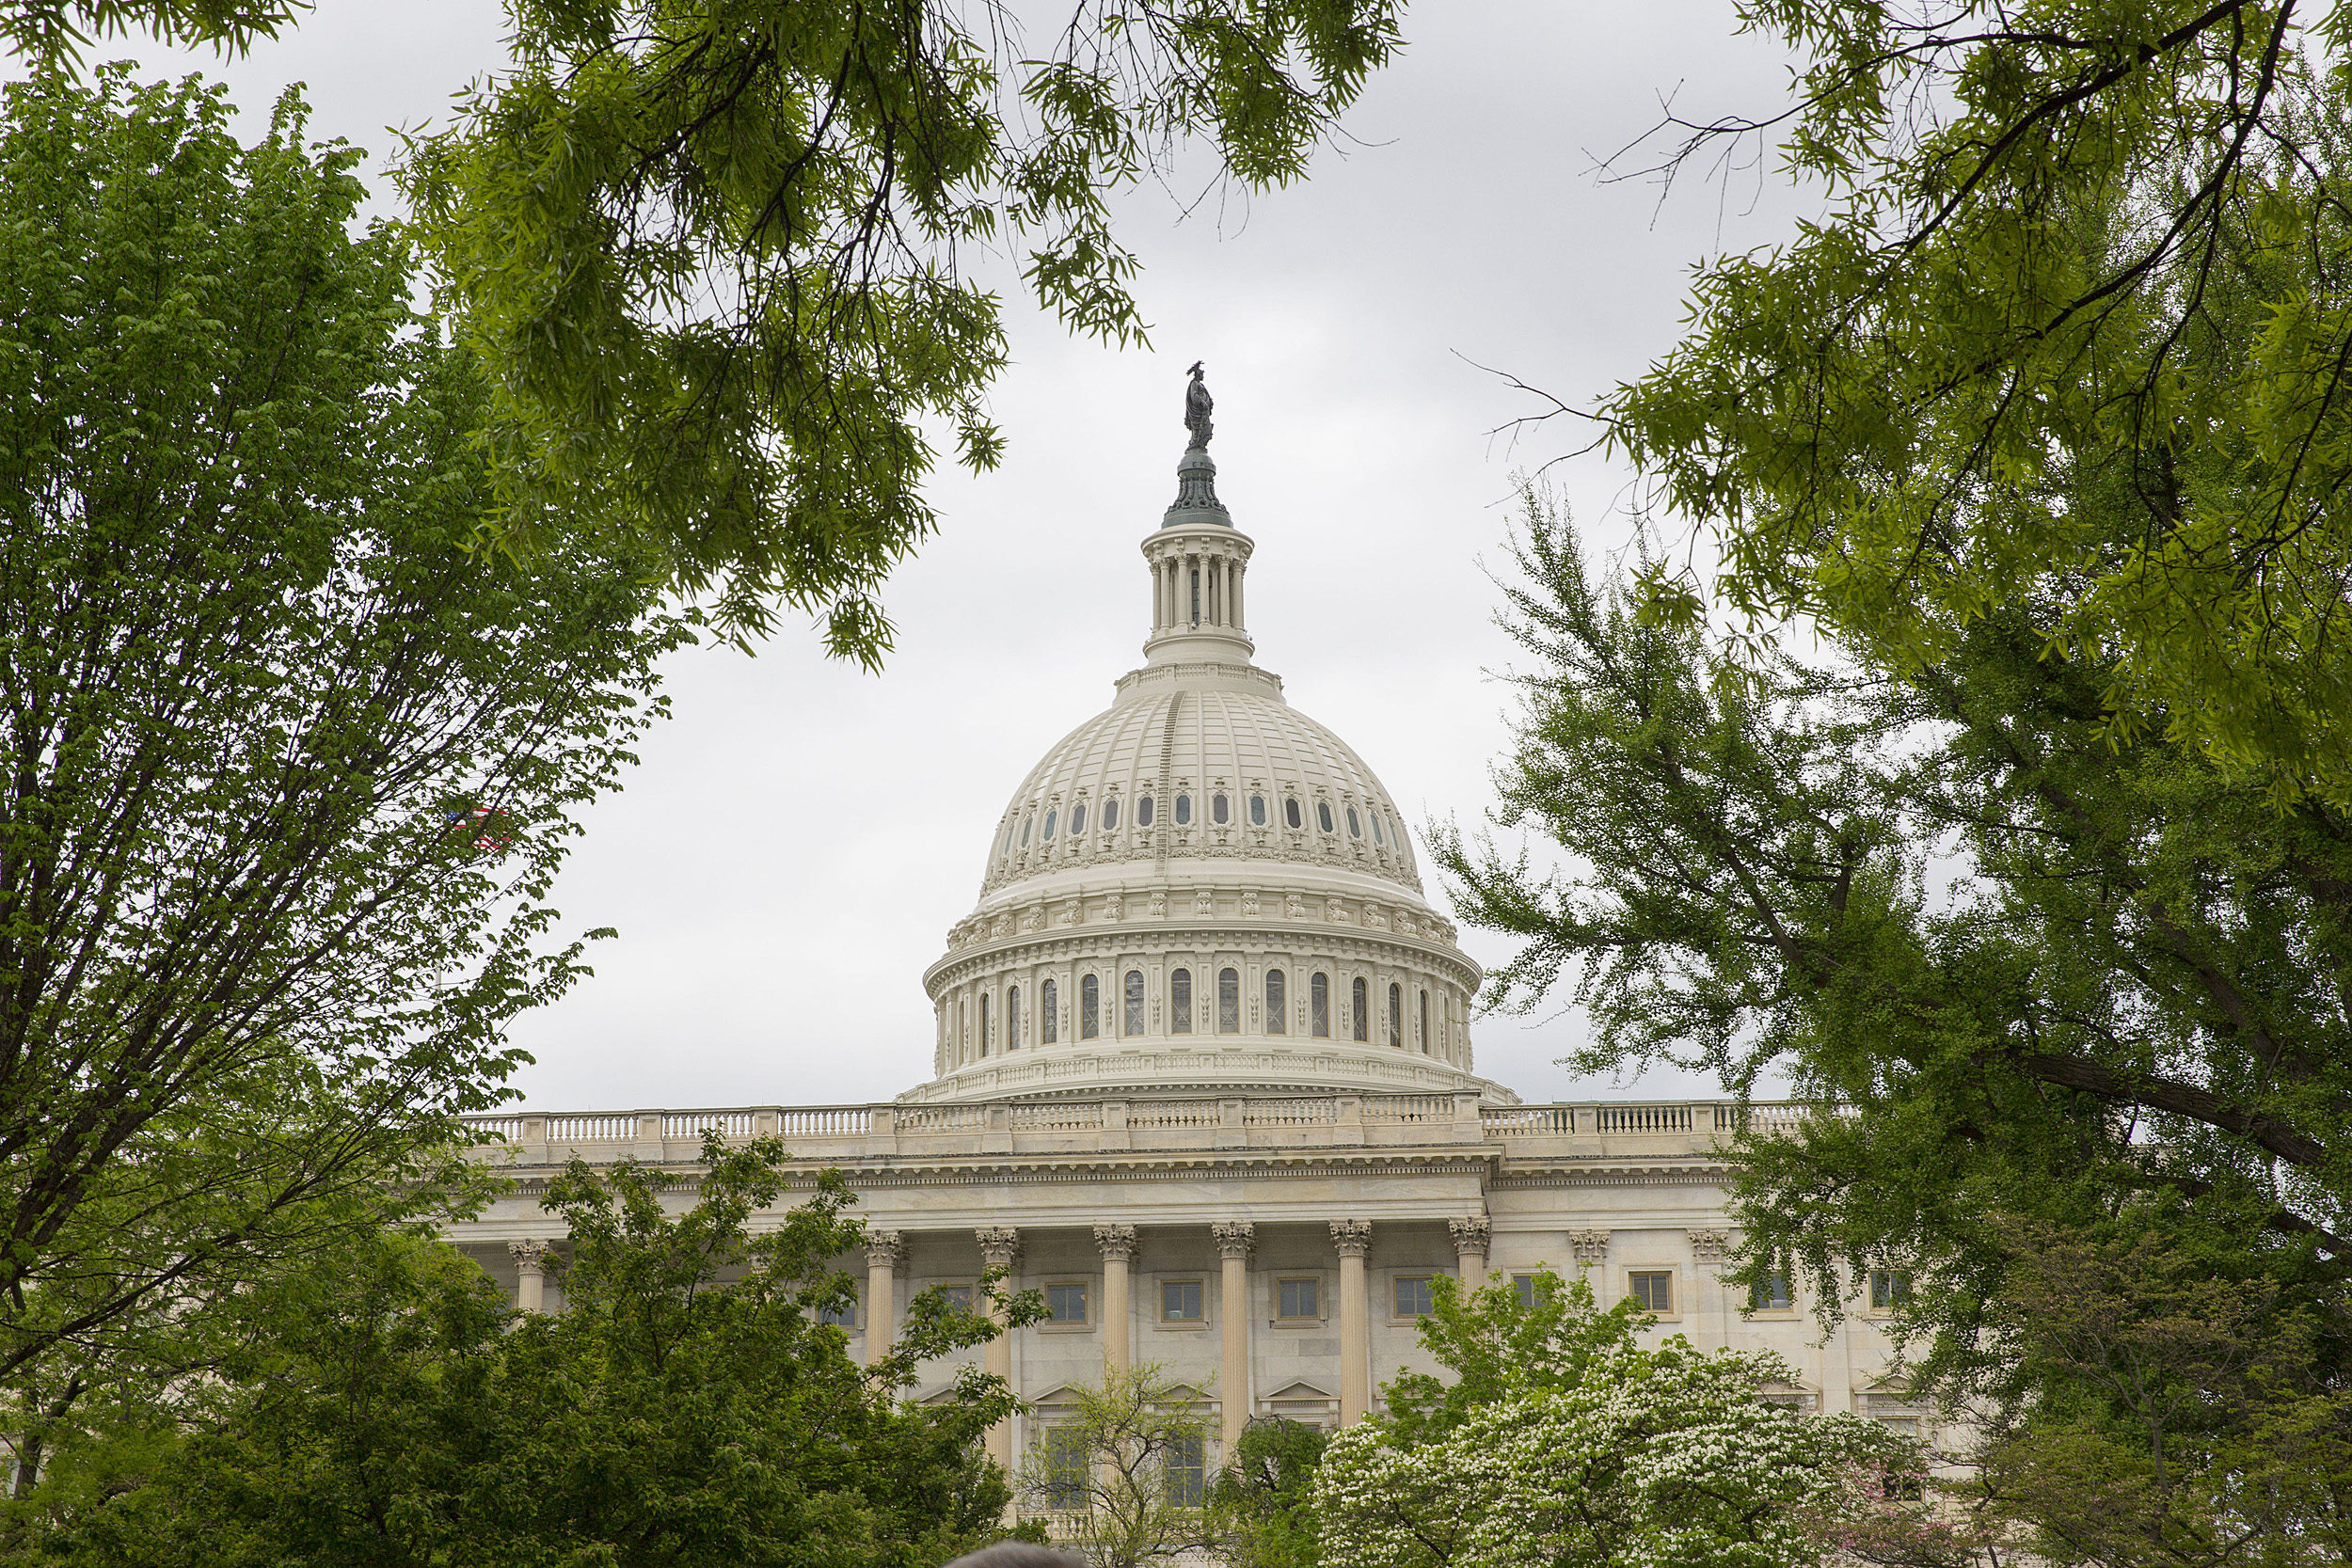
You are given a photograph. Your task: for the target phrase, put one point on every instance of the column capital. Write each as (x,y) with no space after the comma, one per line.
(885,1249)
(1709,1244)
(1470,1233)
(1590,1246)
(1000,1246)
(1117,1241)
(528,1255)
(1235,1238)
(1352,1237)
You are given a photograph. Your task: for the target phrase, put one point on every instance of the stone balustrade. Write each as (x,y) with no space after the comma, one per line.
(1113,1125)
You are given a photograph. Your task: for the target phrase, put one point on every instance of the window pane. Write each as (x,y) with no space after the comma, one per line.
(1319,1007)
(1090,1007)
(1361,997)
(1065,1468)
(1079,817)
(1187,1471)
(1889,1289)
(957,1296)
(1066,1304)
(1300,1298)
(1257,811)
(1424,1024)
(1217,810)
(1026,824)
(1277,1005)
(1322,815)
(1049,1012)
(1110,813)
(1135,1002)
(1012,1018)
(1396,1017)
(837,1317)
(1654,1291)
(983,1023)
(1049,825)
(1524,1286)
(1228,1002)
(1181,1300)
(1771,1295)
(1412,1297)
(1143,812)
(1376,830)
(1290,811)
(1184,809)
(1180,1002)
(1354,828)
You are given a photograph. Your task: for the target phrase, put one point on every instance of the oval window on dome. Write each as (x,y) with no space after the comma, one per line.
(1218,810)
(1354,828)
(1078,819)
(1376,830)
(1257,811)
(1290,813)
(1143,812)
(1322,813)
(1026,823)
(1052,815)
(1110,813)
(1184,811)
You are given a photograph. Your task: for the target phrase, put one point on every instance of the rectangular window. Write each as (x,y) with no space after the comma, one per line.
(1298,1298)
(1182,1301)
(1066,1303)
(1653,1289)
(1523,1286)
(1890,1289)
(1319,1007)
(1065,1468)
(1771,1295)
(1412,1297)
(839,1317)
(1188,1472)
(957,1296)
(1090,1008)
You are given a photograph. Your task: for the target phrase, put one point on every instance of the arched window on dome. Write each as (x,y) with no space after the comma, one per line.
(1090,1008)
(1012,1018)
(1319,1007)
(1277,1018)
(1143,812)
(1180,1002)
(1359,1020)
(1218,809)
(1228,1002)
(1051,814)
(1110,813)
(1049,1012)
(1396,1015)
(1424,1024)
(1135,1002)
(1257,811)
(1322,815)
(1354,828)
(1078,819)
(1184,811)
(983,1023)
(1289,813)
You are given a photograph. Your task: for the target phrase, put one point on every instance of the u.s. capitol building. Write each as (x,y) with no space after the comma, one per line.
(1204,1076)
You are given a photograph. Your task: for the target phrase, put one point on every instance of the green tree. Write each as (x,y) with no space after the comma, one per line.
(2061,241)
(291,764)
(688,1405)
(1263,1499)
(1565,1440)
(1121,1470)
(2050,975)
(707,249)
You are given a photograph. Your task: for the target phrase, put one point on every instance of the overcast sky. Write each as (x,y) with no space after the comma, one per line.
(801,835)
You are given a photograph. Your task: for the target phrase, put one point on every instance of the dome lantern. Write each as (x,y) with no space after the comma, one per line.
(1198,558)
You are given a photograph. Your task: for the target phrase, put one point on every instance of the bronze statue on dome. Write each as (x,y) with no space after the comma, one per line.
(1198,406)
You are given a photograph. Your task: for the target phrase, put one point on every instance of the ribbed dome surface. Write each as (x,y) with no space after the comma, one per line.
(1183,739)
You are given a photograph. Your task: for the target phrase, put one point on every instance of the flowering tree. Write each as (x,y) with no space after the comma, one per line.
(1620,1455)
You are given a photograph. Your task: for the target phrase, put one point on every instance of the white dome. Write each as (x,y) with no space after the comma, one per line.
(1200,888)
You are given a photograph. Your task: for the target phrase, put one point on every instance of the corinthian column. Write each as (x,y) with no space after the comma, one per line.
(1354,1239)
(884,1251)
(1118,1242)
(1233,1241)
(1470,1248)
(530,1275)
(1000,1247)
